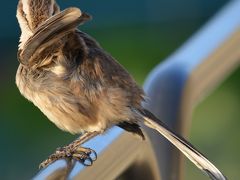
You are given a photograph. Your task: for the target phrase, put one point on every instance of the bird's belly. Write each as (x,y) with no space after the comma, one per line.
(76,114)
(62,110)
(66,116)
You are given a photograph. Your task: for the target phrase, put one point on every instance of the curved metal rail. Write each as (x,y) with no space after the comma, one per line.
(174,87)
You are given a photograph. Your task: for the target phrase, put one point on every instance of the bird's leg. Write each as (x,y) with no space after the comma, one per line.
(73,151)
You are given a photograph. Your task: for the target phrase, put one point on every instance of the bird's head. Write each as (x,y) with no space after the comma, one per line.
(32,13)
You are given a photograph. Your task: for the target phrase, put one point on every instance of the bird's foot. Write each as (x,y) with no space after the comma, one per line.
(86,156)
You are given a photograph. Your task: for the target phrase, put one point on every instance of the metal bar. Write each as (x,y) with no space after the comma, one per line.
(169,85)
(118,151)
(197,67)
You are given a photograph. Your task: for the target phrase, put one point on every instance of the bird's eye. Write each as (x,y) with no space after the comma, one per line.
(24,15)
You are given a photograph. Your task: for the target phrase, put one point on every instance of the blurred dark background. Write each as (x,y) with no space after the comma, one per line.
(139,33)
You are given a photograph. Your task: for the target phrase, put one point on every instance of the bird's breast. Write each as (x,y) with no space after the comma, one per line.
(74,110)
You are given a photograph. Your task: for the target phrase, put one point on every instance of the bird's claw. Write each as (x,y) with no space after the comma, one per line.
(85,156)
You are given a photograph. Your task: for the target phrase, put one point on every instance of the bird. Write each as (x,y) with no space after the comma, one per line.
(80,87)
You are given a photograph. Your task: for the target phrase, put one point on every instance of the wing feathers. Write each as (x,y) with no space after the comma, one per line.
(52,30)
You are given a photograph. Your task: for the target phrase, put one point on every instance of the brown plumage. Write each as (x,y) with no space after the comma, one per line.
(78,85)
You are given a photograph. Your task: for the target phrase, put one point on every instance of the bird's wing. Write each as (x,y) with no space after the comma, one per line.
(51,31)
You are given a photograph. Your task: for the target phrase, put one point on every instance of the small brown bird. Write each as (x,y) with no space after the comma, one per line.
(79,86)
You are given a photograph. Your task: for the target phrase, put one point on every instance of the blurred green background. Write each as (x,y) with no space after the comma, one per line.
(139,33)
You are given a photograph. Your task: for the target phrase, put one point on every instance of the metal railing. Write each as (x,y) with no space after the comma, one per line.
(174,88)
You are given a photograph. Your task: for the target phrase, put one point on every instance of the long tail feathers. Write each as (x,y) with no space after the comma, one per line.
(185,147)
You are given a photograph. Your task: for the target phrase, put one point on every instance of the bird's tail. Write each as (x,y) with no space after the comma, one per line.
(184,146)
